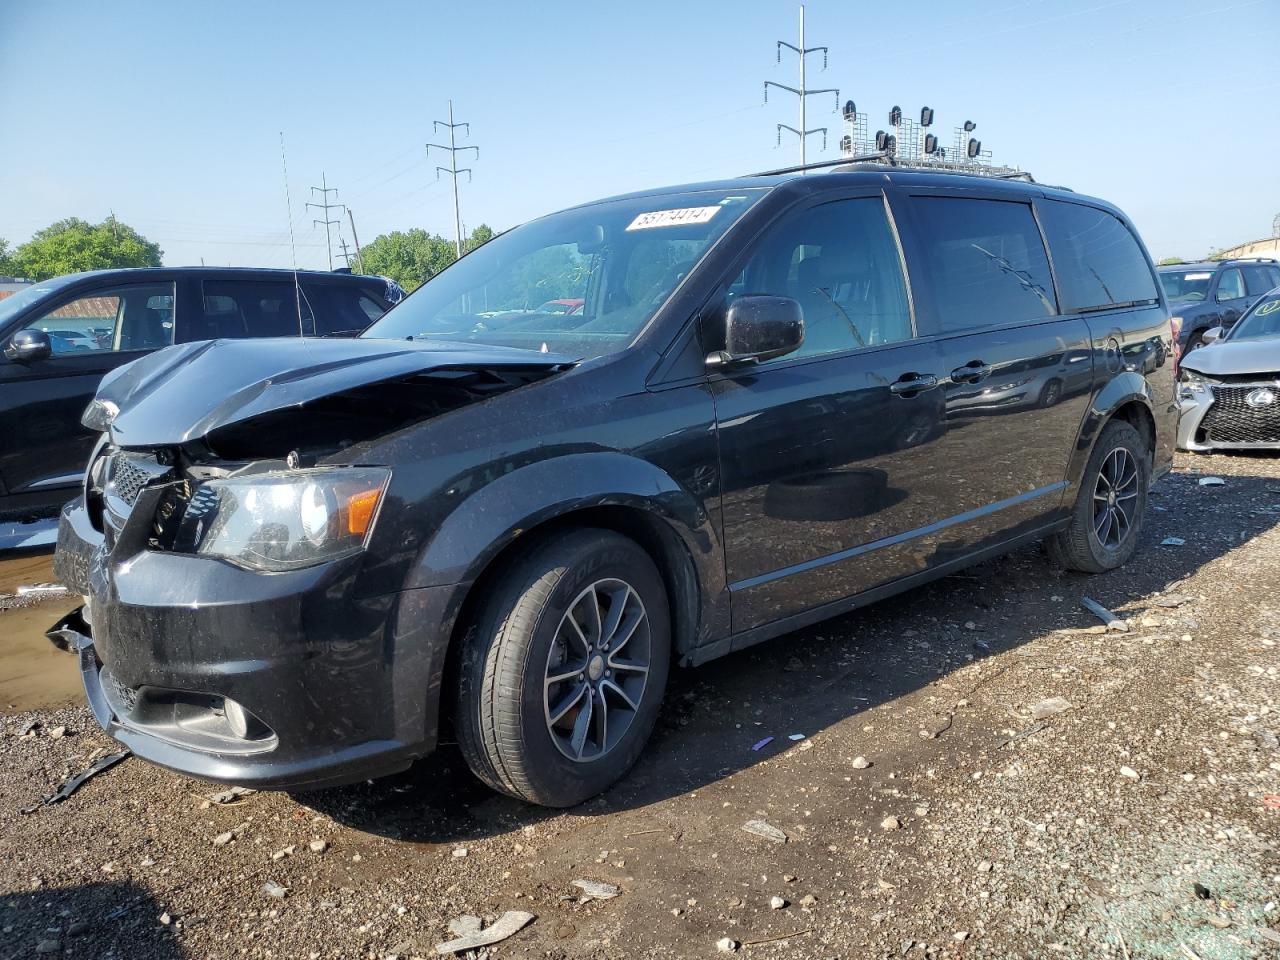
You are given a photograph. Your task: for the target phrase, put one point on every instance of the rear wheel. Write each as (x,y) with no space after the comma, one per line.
(564,668)
(1106,520)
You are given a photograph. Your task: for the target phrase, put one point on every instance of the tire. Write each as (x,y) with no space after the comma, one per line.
(1089,544)
(526,633)
(1195,342)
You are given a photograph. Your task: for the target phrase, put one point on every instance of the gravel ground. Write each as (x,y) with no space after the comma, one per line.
(1136,817)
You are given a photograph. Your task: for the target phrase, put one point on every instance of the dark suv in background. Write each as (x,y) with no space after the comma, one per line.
(59,337)
(1214,293)
(300,561)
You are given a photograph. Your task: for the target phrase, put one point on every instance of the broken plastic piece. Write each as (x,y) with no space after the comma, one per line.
(596,890)
(72,784)
(1212,482)
(795,736)
(1050,707)
(1102,613)
(508,924)
(766,830)
(761,744)
(1172,542)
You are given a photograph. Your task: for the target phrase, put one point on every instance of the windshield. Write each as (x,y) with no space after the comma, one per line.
(581,283)
(1260,322)
(10,307)
(1185,286)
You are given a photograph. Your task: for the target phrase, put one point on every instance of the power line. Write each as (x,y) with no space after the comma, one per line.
(324,190)
(803,93)
(453,169)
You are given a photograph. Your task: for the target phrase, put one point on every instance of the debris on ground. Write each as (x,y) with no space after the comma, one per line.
(72,784)
(231,795)
(596,890)
(861,763)
(1102,613)
(727,945)
(890,823)
(275,890)
(768,831)
(1050,708)
(761,744)
(507,925)
(42,590)
(1172,542)
(1211,482)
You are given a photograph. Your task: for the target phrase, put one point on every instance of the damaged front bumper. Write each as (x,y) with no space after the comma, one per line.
(282,680)
(1229,417)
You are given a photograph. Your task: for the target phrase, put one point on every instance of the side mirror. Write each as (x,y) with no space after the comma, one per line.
(758,327)
(1212,335)
(27,345)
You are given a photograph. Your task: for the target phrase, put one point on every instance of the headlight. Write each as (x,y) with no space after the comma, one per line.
(282,521)
(1191,384)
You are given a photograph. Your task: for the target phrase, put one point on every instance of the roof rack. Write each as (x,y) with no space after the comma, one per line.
(931,166)
(1250,259)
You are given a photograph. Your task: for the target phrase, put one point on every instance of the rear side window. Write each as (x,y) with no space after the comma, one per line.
(236,309)
(343,307)
(1098,261)
(1259,280)
(985,262)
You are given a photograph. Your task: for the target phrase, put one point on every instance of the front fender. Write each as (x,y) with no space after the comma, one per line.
(495,515)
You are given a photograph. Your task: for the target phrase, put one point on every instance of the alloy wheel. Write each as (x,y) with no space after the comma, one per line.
(1115,498)
(597,670)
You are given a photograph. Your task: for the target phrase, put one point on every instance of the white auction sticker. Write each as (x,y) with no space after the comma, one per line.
(672,218)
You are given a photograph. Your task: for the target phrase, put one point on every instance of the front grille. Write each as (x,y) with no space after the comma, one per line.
(1232,419)
(128,477)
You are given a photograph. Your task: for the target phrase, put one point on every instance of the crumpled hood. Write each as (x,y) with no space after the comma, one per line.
(184,392)
(1235,357)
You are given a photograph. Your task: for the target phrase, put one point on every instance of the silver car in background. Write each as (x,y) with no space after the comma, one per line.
(1229,392)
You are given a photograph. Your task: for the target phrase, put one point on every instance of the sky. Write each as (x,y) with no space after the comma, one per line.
(170,115)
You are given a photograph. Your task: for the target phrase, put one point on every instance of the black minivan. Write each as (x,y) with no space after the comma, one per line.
(784,397)
(59,337)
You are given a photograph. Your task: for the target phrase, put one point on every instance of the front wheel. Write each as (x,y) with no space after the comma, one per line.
(563,669)
(1107,517)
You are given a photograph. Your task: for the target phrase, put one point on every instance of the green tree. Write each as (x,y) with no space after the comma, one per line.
(6,259)
(409,257)
(73,245)
(478,238)
(1168,261)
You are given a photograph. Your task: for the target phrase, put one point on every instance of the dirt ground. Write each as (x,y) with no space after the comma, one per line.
(1140,822)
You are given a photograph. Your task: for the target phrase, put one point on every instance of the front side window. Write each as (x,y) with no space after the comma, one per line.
(1260,322)
(985,262)
(840,261)
(120,318)
(613,263)
(1098,262)
(1230,285)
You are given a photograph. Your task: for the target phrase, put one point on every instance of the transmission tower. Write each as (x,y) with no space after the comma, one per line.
(342,242)
(1275,226)
(324,190)
(453,170)
(803,93)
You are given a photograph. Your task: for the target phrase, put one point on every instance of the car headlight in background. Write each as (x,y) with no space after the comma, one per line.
(283,521)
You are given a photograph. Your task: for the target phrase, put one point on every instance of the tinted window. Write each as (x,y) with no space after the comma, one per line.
(985,261)
(1098,262)
(840,261)
(1183,286)
(1258,280)
(342,308)
(1230,285)
(135,317)
(234,309)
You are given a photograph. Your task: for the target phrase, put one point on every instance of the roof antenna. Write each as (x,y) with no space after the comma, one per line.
(293,250)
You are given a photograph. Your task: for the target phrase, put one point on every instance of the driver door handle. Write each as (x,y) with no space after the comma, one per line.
(975,371)
(912,383)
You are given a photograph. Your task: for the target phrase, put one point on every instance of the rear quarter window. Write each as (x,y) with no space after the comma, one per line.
(1098,261)
(343,308)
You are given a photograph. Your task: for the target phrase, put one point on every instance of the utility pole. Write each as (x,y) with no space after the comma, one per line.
(453,169)
(324,190)
(356,237)
(803,92)
(342,242)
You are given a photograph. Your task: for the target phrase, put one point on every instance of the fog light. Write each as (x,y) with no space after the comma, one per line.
(238,719)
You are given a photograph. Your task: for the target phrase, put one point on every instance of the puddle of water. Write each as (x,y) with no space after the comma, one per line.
(34,674)
(24,568)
